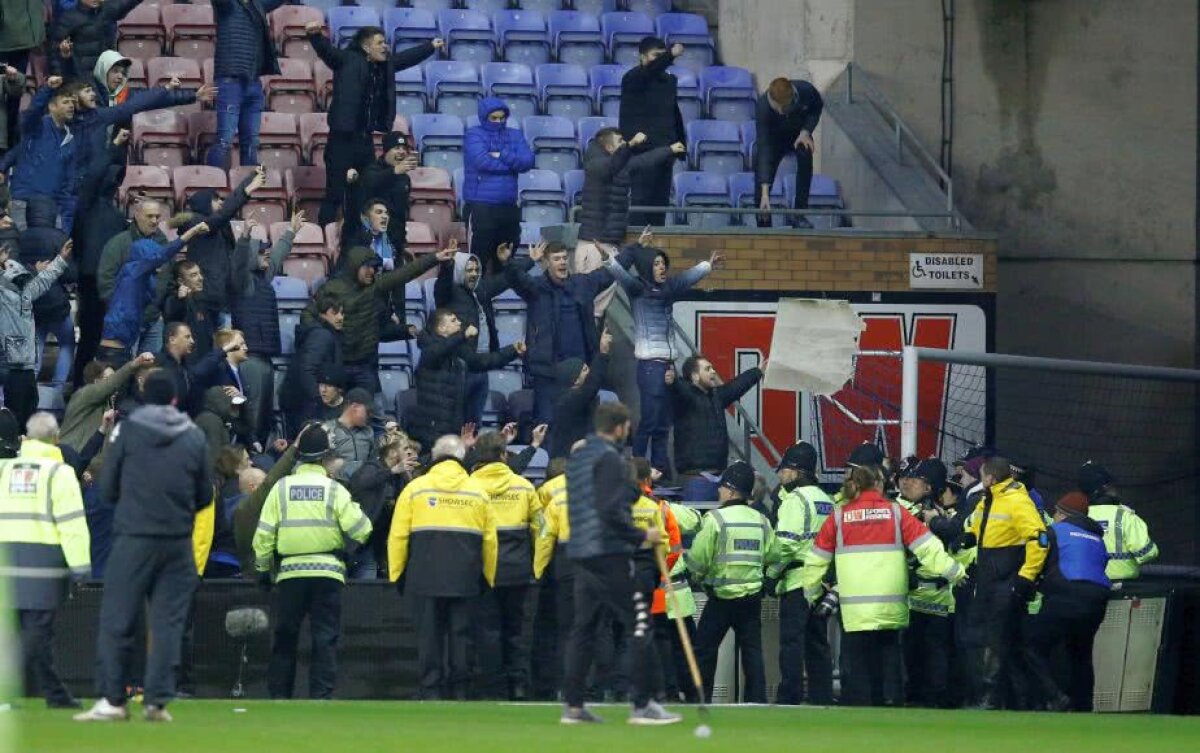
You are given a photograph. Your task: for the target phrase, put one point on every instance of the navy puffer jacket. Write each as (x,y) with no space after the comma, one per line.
(244,46)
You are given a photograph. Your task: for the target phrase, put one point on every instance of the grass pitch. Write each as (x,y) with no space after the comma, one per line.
(367,727)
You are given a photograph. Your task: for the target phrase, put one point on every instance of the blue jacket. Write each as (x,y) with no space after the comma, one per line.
(134,289)
(493,180)
(1077,556)
(244,47)
(653,303)
(43,159)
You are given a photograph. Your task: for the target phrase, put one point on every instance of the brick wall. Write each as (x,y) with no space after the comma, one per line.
(776,261)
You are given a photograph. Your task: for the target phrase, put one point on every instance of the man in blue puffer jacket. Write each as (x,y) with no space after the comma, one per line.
(494,156)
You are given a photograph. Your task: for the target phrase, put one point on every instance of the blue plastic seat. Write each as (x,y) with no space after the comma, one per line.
(623,32)
(486,6)
(411,97)
(691,31)
(396,355)
(512,82)
(543,6)
(596,7)
(573,187)
(505,381)
(453,87)
(408,27)
(290,292)
(728,92)
(522,37)
(715,146)
(575,38)
(743,192)
(540,194)
(392,382)
(346,20)
(652,8)
(288,321)
(439,139)
(587,128)
(468,35)
(564,90)
(495,409)
(432,5)
(691,105)
(552,140)
(693,188)
(606,88)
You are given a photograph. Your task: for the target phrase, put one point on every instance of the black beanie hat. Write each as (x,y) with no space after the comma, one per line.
(313,444)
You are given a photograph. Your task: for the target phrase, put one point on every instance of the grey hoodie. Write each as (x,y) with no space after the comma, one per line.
(18,291)
(156,472)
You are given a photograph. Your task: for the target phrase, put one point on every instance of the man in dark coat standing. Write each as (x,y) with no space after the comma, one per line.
(786,116)
(318,352)
(386,179)
(363,103)
(650,106)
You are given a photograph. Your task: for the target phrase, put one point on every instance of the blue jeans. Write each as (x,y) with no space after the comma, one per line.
(655,422)
(239,111)
(64,333)
(151,339)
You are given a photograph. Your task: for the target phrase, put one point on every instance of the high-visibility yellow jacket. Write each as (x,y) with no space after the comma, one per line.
(305,521)
(687,517)
(555,530)
(443,537)
(202,535)
(801,513)
(1014,536)
(1127,539)
(44,529)
(730,551)
(515,506)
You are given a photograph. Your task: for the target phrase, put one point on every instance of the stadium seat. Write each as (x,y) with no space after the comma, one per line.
(457,178)
(431,5)
(411,98)
(293,90)
(345,21)
(700,189)
(573,187)
(453,87)
(715,146)
(486,6)
(257,232)
(691,31)
(512,82)
(575,38)
(287,29)
(279,141)
(540,194)
(439,139)
(522,37)
(468,35)
(823,193)
(743,192)
(623,32)
(141,34)
(552,140)
(729,93)
(191,178)
(147,181)
(396,355)
(291,293)
(749,137)
(494,410)
(191,30)
(202,132)
(421,239)
(314,134)
(544,7)
(137,74)
(160,137)
(596,7)
(691,106)
(306,186)
(306,268)
(414,302)
(268,204)
(159,71)
(405,400)
(409,27)
(506,382)
(588,127)
(309,241)
(564,90)
(606,88)
(432,199)
(652,8)
(323,79)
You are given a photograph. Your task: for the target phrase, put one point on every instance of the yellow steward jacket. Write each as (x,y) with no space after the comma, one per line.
(555,530)
(515,506)
(443,537)
(1010,533)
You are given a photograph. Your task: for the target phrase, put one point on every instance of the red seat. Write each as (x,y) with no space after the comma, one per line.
(207,68)
(278,140)
(161,70)
(293,90)
(146,181)
(333,238)
(259,232)
(203,129)
(137,73)
(307,268)
(323,77)
(432,199)
(309,241)
(191,178)
(287,29)
(191,30)
(268,204)
(457,230)
(306,188)
(160,137)
(420,238)
(141,33)
(314,134)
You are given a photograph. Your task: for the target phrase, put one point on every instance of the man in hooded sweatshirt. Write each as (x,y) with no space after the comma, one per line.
(494,155)
(156,474)
(363,103)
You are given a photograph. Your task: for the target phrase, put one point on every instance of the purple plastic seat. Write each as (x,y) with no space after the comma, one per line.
(715,146)
(606,87)
(552,140)
(587,128)
(540,194)
(728,92)
(652,8)
(701,189)
(689,30)
(408,27)
(453,87)
(345,21)
(564,90)
(573,187)
(521,37)
(468,35)
(575,38)
(410,91)
(439,139)
(691,106)
(512,82)
(623,32)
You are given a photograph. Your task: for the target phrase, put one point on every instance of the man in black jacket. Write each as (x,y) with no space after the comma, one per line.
(318,350)
(650,106)
(701,436)
(386,180)
(441,375)
(786,116)
(184,303)
(363,102)
(91,26)
(156,474)
(190,376)
(579,384)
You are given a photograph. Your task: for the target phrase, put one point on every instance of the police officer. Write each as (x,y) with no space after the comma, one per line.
(552,622)
(303,525)
(1011,550)
(44,542)
(1125,533)
(803,637)
(1075,590)
(514,506)
(728,556)
(442,553)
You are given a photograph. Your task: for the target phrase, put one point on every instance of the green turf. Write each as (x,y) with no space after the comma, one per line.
(367,727)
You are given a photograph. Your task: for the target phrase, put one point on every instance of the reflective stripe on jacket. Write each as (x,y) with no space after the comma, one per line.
(729,552)
(1127,539)
(514,506)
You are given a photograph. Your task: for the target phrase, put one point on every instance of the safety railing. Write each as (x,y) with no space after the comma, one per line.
(953,219)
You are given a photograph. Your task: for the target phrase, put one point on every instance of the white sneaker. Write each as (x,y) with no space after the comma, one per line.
(103,711)
(653,715)
(157,714)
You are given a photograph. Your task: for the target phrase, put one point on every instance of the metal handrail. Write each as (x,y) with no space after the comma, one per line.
(953,218)
(885,109)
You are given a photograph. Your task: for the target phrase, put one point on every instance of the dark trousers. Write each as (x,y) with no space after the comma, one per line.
(676,676)
(1072,625)
(489,225)
(509,602)
(363,374)
(744,617)
(650,440)
(565,612)
(605,587)
(928,649)
(546,665)
(651,186)
(1010,675)
(545,392)
(37,650)
(476,397)
(162,570)
(443,645)
(803,652)
(114,357)
(20,393)
(320,600)
(91,323)
(346,151)
(872,668)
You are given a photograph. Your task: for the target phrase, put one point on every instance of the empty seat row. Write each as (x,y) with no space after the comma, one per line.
(739,190)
